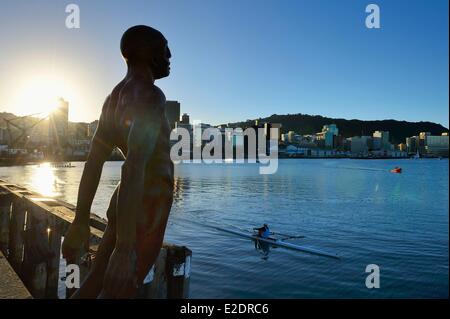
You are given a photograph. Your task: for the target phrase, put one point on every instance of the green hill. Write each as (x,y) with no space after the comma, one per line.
(310,124)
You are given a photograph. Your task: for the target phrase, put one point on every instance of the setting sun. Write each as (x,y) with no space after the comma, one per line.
(40,94)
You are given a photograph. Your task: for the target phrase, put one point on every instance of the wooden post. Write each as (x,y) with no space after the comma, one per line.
(5,214)
(36,253)
(155,283)
(38,281)
(16,228)
(53,263)
(178,271)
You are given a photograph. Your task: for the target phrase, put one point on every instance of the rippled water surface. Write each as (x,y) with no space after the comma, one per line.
(356,208)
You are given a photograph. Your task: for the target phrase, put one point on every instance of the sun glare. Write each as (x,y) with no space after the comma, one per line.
(44,180)
(39,95)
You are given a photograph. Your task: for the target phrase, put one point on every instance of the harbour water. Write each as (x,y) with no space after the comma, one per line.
(356,208)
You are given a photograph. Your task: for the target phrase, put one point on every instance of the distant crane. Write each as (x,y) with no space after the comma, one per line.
(21,140)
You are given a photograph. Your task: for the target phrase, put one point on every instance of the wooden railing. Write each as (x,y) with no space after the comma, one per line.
(31,231)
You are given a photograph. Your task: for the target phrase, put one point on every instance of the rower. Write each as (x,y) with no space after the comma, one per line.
(263,231)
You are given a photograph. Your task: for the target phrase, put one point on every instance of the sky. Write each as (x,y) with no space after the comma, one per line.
(236,60)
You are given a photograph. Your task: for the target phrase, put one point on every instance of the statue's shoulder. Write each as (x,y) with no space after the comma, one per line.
(141,100)
(142,92)
(157,94)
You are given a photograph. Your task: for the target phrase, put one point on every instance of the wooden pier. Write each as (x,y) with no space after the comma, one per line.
(31,231)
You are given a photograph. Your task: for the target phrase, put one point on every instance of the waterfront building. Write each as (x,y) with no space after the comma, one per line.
(376,145)
(17,151)
(339,142)
(397,154)
(78,130)
(332,128)
(92,127)
(327,138)
(412,144)
(307,141)
(323,153)
(359,145)
(58,127)
(3,136)
(437,145)
(402,147)
(347,144)
(381,141)
(290,136)
(173,113)
(78,148)
(291,149)
(38,135)
(423,142)
(185,118)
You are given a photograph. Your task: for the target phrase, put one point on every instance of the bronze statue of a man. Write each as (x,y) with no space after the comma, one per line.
(132,119)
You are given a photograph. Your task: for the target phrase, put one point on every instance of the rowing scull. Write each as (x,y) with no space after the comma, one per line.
(280,243)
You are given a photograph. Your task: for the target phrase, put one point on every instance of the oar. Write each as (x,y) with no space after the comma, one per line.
(288,236)
(292,237)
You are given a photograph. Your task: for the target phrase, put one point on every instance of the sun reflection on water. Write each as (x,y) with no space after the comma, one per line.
(44,180)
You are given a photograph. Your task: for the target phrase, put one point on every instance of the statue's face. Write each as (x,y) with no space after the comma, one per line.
(162,62)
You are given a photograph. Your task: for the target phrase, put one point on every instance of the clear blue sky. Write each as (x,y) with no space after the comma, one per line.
(235,60)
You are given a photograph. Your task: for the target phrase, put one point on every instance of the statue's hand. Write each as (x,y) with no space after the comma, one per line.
(120,280)
(77,236)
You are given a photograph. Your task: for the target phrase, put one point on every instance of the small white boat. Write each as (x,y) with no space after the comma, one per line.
(280,243)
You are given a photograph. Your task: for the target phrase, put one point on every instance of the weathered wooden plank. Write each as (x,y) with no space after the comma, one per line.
(169,278)
(16,229)
(36,253)
(5,215)
(54,262)
(64,215)
(11,287)
(178,271)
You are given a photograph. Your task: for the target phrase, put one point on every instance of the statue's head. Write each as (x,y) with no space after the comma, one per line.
(143,45)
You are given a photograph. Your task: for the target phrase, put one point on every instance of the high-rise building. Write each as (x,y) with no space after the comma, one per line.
(59,127)
(412,144)
(326,138)
(423,142)
(402,147)
(92,127)
(185,118)
(173,113)
(359,145)
(437,145)
(78,130)
(332,128)
(381,141)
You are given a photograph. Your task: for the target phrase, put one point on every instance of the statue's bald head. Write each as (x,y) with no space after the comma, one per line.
(142,44)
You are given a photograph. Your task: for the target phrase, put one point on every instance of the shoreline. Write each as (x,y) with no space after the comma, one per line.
(67,164)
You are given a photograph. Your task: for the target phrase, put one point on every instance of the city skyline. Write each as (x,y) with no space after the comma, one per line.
(316,58)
